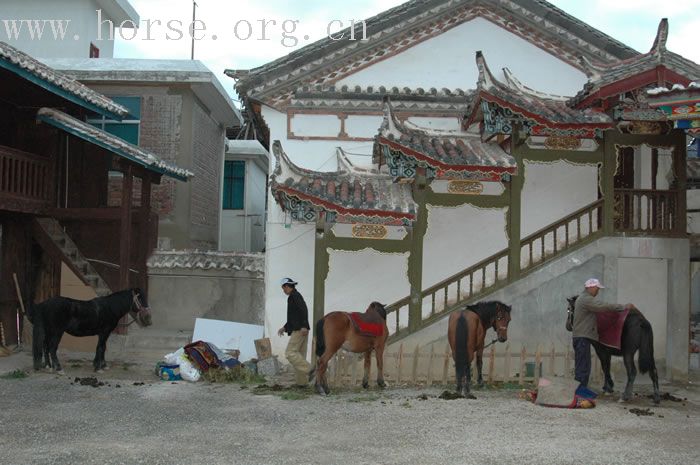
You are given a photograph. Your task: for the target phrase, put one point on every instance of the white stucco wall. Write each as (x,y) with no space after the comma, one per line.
(448,61)
(458,237)
(553,190)
(355,279)
(83,24)
(290,253)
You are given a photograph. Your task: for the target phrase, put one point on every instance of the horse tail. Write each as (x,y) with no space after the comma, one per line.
(38,335)
(646,348)
(461,337)
(320,338)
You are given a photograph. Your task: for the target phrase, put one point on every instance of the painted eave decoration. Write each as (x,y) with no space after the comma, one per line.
(500,107)
(659,65)
(348,195)
(680,104)
(327,61)
(111,143)
(405,148)
(58,83)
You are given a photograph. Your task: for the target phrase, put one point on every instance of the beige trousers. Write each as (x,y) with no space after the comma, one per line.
(296,355)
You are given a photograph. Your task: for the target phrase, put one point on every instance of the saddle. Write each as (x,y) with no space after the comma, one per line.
(367,324)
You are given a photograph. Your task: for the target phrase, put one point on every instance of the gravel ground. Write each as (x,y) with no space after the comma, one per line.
(46,419)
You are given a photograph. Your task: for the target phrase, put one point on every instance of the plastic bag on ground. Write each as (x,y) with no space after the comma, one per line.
(188,372)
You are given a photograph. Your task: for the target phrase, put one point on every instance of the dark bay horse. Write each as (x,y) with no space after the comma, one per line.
(637,335)
(96,317)
(337,330)
(466,331)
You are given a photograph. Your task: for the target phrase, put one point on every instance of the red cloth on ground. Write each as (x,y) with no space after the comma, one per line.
(365,328)
(610,326)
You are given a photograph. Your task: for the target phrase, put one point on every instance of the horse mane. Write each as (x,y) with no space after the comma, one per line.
(487,310)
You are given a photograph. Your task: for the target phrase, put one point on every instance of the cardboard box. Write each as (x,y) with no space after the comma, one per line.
(263,347)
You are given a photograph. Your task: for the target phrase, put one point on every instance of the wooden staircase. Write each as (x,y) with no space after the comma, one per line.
(56,242)
(493,273)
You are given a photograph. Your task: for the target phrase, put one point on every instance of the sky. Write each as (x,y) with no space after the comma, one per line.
(250,33)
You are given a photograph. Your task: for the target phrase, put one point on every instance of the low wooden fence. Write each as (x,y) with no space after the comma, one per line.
(433,365)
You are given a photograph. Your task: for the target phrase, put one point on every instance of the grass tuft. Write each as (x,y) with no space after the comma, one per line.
(17,374)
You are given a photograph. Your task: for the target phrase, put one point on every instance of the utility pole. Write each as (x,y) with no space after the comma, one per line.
(194,17)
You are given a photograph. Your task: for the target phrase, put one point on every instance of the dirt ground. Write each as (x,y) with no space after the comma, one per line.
(50,419)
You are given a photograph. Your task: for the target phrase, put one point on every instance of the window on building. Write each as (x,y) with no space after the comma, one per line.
(234,184)
(94,51)
(128,128)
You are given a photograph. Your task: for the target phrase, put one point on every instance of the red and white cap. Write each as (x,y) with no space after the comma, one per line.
(594,283)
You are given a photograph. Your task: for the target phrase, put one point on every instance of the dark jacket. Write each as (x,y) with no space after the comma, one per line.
(585,322)
(297,313)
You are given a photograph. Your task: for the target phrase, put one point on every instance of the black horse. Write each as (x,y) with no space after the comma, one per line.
(637,335)
(96,317)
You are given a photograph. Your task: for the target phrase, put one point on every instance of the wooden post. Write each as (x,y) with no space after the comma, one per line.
(429,376)
(414,372)
(125,230)
(399,359)
(146,226)
(551,361)
(538,361)
(521,371)
(336,369)
(492,364)
(506,364)
(446,364)
(353,370)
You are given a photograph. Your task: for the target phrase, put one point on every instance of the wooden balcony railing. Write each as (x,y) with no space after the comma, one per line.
(652,212)
(26,181)
(492,273)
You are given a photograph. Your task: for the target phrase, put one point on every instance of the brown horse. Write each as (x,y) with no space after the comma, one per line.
(466,331)
(338,329)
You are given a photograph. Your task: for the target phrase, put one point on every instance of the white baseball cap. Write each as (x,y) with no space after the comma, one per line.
(594,283)
(290,281)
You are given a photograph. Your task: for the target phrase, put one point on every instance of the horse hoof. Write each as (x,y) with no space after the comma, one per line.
(469,396)
(320,391)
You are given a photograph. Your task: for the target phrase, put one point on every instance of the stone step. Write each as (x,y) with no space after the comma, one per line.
(146,339)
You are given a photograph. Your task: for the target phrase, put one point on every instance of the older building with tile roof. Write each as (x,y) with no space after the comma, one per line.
(513,180)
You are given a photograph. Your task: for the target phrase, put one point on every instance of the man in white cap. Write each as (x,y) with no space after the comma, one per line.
(297,326)
(585,327)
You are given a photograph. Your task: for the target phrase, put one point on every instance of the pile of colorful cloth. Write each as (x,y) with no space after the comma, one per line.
(206,355)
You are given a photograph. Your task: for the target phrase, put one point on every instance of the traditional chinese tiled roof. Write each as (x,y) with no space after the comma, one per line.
(455,101)
(112,143)
(445,151)
(539,109)
(352,194)
(208,260)
(328,60)
(676,88)
(12,57)
(659,64)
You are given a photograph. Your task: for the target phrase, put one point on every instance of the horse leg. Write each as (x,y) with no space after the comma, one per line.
(468,374)
(321,374)
(604,356)
(54,340)
(631,374)
(479,366)
(99,362)
(368,364)
(655,379)
(379,353)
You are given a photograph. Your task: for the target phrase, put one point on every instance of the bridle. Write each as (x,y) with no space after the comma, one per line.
(139,308)
(499,317)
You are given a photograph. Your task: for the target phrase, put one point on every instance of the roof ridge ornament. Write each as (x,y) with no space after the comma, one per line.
(486,79)
(592,70)
(515,84)
(659,45)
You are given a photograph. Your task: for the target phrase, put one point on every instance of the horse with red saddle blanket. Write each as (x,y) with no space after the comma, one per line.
(354,332)
(622,335)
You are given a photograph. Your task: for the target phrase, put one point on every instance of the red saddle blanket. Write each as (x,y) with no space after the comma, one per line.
(366,328)
(610,326)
